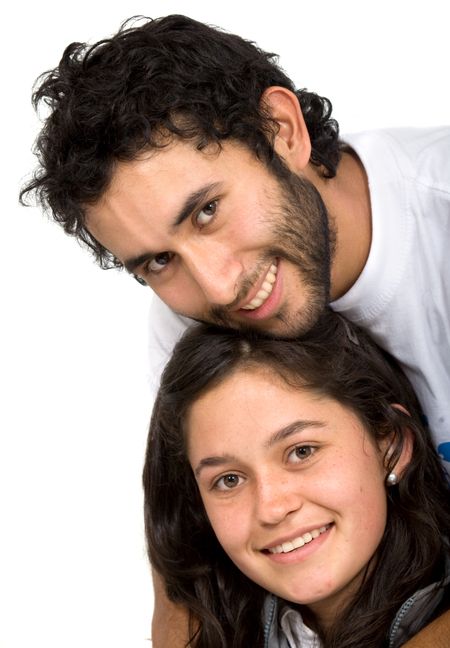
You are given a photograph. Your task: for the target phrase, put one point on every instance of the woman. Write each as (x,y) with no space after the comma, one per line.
(292,495)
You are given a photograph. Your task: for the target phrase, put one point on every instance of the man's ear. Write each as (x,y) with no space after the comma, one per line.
(407,449)
(292,142)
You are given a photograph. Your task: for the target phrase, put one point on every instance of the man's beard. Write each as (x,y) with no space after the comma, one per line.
(303,236)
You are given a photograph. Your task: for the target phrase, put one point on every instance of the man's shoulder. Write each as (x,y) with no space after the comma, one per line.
(165,329)
(428,149)
(406,138)
(417,153)
(165,325)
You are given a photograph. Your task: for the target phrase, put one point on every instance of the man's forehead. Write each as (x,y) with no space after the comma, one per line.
(174,155)
(168,174)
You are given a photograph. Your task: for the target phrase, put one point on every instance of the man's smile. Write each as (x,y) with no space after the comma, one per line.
(265,290)
(263,301)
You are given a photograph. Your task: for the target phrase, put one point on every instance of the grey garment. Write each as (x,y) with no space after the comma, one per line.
(417,611)
(284,626)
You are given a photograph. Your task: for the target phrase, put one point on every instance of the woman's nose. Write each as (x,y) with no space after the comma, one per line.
(276,499)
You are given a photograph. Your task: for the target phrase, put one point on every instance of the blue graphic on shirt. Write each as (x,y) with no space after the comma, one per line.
(444,451)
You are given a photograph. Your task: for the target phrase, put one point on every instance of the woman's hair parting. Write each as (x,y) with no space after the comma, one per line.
(335,360)
(150,82)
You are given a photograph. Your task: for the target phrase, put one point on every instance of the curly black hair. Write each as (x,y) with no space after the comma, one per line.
(172,76)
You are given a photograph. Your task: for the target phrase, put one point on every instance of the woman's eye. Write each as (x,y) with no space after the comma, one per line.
(227,482)
(207,213)
(301,453)
(159,261)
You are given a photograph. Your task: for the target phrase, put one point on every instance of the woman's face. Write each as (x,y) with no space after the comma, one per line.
(293,486)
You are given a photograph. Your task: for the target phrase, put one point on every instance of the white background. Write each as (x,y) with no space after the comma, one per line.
(75,400)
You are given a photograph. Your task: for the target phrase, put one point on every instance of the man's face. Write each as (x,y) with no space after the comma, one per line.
(218,237)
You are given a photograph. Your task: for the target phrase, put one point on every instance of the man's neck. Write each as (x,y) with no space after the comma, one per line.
(347,200)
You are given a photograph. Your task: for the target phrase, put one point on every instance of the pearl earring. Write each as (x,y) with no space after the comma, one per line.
(392,479)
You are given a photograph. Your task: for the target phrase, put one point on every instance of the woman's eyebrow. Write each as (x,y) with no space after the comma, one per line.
(207,462)
(276,437)
(292,428)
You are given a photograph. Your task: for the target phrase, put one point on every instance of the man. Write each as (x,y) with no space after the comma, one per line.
(186,155)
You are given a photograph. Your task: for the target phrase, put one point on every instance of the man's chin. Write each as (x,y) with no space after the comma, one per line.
(283,325)
(299,324)
(279,326)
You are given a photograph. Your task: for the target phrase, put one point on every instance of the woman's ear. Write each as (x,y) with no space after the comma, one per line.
(405,456)
(292,142)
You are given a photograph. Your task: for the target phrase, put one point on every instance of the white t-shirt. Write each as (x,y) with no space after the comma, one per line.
(402,296)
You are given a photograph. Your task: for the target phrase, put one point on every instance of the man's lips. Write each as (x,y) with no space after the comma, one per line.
(264,290)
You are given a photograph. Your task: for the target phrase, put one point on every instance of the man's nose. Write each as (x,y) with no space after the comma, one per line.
(276,498)
(215,270)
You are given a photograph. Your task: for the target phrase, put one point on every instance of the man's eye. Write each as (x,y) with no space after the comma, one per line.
(227,482)
(159,261)
(140,280)
(207,213)
(301,453)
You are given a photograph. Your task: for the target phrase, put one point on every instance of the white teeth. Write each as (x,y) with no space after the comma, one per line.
(286,547)
(264,291)
(298,542)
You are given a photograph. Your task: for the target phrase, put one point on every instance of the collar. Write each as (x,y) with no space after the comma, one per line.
(284,626)
(417,611)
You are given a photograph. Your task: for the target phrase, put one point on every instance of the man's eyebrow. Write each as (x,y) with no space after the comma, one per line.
(276,437)
(193,201)
(132,263)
